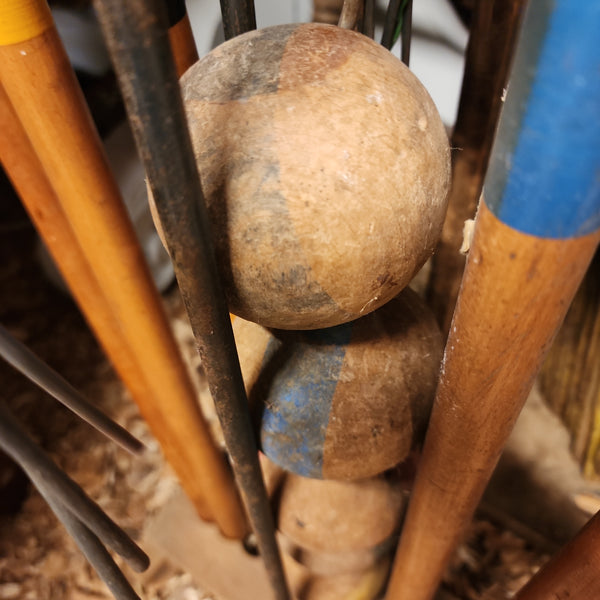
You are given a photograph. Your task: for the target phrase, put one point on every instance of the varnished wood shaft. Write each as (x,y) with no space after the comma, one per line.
(42,88)
(574,573)
(183,45)
(514,295)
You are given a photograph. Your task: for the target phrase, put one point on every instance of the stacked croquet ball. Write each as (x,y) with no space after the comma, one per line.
(336,535)
(346,402)
(325,169)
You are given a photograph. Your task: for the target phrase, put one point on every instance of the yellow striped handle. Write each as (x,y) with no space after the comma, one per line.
(22,20)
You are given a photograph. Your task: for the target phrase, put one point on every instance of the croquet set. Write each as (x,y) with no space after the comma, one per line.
(300,177)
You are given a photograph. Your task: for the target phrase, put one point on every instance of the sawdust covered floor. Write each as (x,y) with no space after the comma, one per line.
(38,560)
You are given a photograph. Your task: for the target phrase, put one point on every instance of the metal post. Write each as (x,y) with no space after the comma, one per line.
(137,39)
(238,17)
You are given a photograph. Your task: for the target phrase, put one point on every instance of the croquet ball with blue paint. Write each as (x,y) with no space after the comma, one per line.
(325,168)
(346,402)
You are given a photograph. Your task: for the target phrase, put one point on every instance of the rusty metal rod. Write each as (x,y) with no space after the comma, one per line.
(90,546)
(34,461)
(407,32)
(389,26)
(137,40)
(369,20)
(24,360)
(238,17)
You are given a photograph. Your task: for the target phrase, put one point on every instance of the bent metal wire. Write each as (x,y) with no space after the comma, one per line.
(84,520)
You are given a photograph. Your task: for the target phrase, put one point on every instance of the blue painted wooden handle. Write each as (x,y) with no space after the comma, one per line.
(544,175)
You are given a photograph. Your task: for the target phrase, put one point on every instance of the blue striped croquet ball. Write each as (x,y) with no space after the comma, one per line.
(345,402)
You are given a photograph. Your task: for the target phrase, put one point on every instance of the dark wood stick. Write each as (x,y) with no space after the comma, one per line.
(574,572)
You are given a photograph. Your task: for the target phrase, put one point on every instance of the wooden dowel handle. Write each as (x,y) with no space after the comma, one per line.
(40,83)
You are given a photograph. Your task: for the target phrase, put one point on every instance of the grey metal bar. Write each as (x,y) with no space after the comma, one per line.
(25,361)
(238,17)
(33,460)
(136,32)
(90,546)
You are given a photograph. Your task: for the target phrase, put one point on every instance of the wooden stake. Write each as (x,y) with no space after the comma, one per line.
(535,235)
(574,573)
(40,83)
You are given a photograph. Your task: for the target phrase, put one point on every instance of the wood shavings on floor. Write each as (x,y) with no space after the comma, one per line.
(38,560)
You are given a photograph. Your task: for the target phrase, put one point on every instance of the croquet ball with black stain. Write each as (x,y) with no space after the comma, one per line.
(345,402)
(333,527)
(325,168)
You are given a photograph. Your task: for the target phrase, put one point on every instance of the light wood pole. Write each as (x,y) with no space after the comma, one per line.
(181,36)
(42,88)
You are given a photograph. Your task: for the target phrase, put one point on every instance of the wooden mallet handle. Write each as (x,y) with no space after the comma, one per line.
(40,83)
(535,235)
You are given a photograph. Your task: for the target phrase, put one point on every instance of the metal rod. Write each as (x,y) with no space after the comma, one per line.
(407,32)
(136,36)
(369,21)
(90,546)
(35,369)
(389,26)
(238,17)
(573,573)
(535,234)
(15,442)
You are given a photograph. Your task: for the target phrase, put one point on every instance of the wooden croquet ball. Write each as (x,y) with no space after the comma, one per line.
(333,527)
(359,585)
(346,402)
(325,168)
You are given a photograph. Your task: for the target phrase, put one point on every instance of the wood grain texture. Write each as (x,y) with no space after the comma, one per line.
(42,88)
(324,203)
(491,45)
(515,293)
(29,180)
(573,574)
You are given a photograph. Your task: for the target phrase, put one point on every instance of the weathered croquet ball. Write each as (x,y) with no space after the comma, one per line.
(334,527)
(325,168)
(359,585)
(347,402)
